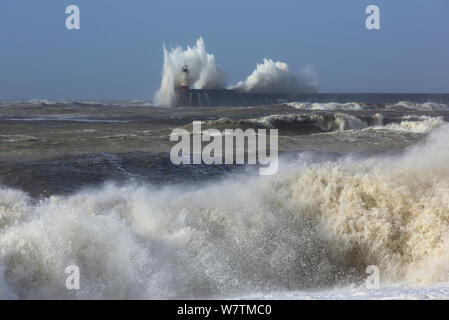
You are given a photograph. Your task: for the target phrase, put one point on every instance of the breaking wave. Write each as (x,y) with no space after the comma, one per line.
(268,77)
(357,106)
(413,124)
(330,106)
(323,121)
(337,122)
(427,106)
(203,71)
(316,224)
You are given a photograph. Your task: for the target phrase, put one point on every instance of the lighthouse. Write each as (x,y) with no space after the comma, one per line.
(185,80)
(183,94)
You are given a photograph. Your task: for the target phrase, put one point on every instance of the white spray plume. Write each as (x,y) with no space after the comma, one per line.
(203,72)
(275,77)
(268,77)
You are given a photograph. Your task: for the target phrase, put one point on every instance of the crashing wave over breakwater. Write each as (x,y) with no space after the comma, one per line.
(204,73)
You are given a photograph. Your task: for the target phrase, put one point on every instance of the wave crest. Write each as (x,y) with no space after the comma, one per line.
(313,225)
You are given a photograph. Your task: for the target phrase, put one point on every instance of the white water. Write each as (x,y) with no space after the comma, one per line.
(276,77)
(362,293)
(330,106)
(268,77)
(314,226)
(341,122)
(421,124)
(326,122)
(427,106)
(203,71)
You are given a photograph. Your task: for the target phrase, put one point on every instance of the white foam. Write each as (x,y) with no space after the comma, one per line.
(325,121)
(361,293)
(421,124)
(276,77)
(312,225)
(426,106)
(330,106)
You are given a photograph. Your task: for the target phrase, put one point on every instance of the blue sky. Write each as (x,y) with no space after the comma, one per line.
(117,53)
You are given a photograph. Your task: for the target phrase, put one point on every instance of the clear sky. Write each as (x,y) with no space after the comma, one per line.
(117,53)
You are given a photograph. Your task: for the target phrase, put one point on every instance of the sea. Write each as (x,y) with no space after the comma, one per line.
(363,180)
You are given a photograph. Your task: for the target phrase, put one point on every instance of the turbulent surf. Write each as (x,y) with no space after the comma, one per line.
(360,183)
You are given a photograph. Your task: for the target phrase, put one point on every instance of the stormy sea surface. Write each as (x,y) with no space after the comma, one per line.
(363,180)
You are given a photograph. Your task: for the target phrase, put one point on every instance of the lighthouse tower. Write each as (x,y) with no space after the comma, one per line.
(183,93)
(185,80)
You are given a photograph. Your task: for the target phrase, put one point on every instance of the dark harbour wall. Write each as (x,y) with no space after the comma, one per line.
(223,97)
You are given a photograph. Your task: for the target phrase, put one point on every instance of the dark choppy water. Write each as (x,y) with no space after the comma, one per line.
(54,147)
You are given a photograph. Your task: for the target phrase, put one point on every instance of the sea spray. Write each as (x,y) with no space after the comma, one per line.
(204,73)
(275,77)
(314,225)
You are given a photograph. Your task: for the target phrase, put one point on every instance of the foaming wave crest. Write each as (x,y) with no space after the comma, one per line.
(137,242)
(338,122)
(427,106)
(330,106)
(323,121)
(357,106)
(414,124)
(390,212)
(314,225)
(203,71)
